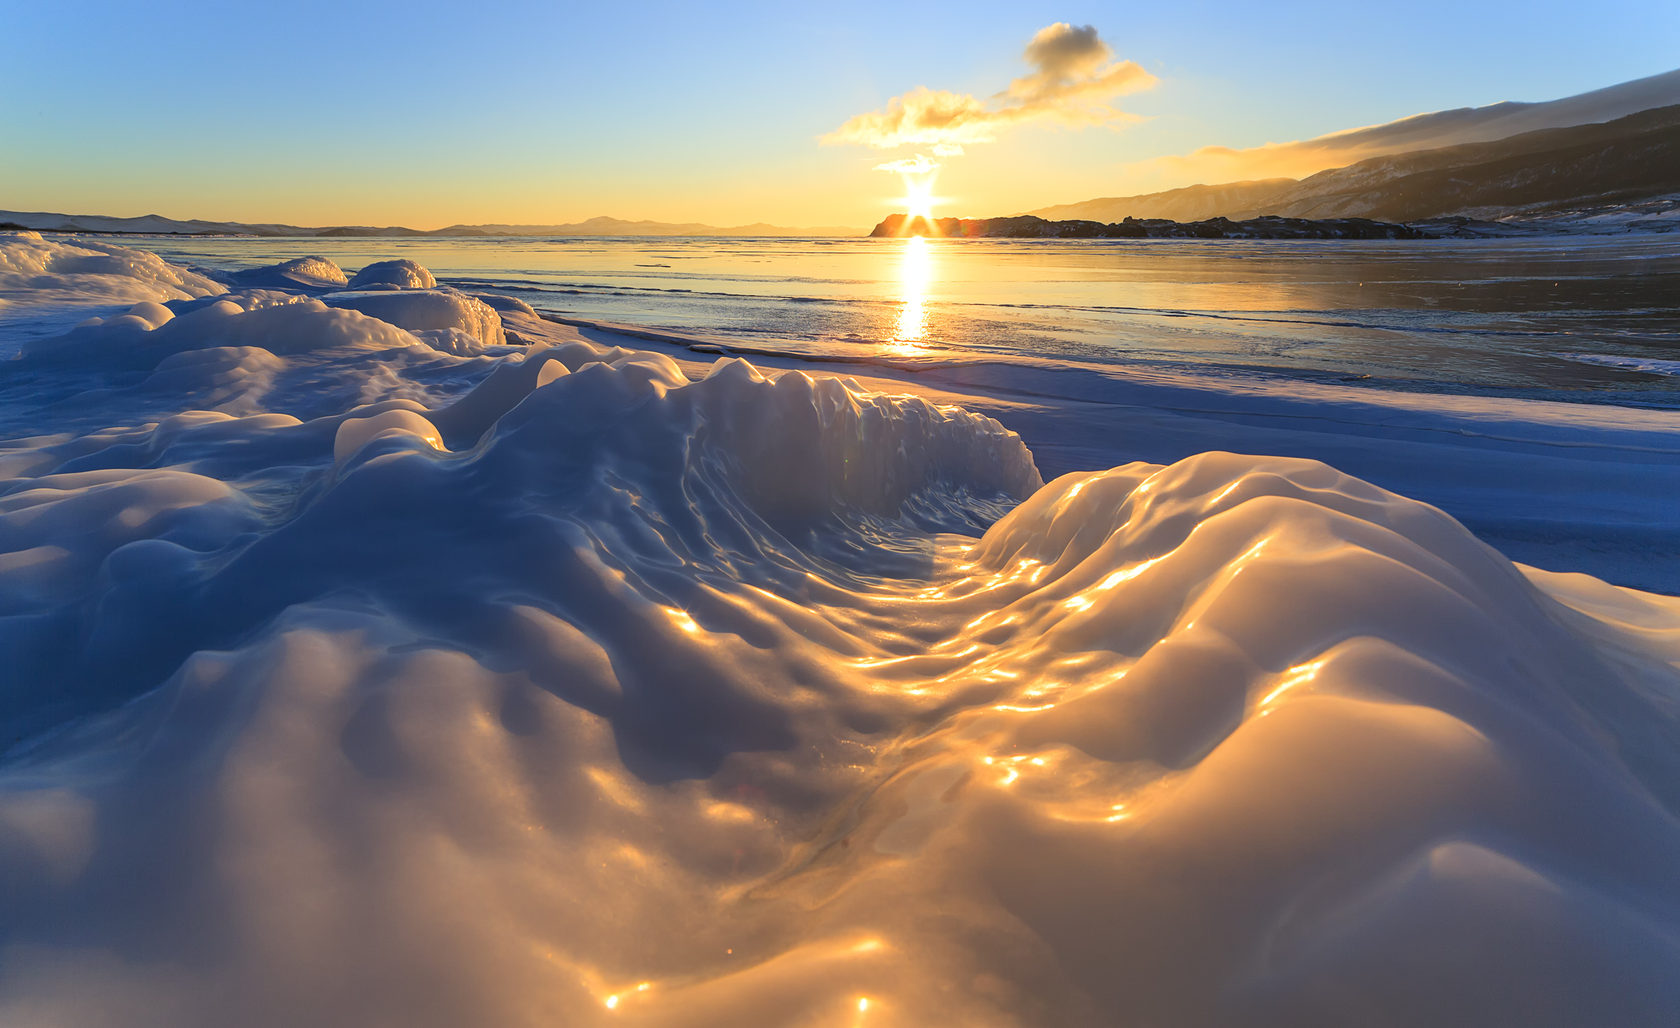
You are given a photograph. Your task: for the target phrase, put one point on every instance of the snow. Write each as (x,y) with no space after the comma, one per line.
(1653,214)
(1649,365)
(45,287)
(379,671)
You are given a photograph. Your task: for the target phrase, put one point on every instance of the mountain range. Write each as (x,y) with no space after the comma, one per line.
(1553,161)
(156,224)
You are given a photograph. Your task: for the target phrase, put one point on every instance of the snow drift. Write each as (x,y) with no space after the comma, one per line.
(535,684)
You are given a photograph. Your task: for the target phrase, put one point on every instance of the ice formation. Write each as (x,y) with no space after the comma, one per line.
(377,671)
(398,274)
(298,273)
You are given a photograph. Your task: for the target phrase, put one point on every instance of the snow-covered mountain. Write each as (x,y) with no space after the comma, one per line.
(1385,153)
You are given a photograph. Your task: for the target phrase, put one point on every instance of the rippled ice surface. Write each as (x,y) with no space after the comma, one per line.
(1588,318)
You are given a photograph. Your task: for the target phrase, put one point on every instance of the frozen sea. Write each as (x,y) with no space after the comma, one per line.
(375,651)
(1593,319)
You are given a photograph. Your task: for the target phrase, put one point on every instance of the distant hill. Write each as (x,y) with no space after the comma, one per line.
(1628,159)
(604,226)
(1188,203)
(155,224)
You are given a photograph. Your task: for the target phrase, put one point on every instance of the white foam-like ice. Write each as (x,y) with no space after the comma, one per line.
(46,286)
(37,271)
(1649,365)
(567,686)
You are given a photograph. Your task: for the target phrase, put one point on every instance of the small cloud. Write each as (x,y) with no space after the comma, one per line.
(921,116)
(1074,82)
(917,165)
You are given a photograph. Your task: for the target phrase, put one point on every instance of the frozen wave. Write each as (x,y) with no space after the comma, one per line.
(1649,365)
(597,692)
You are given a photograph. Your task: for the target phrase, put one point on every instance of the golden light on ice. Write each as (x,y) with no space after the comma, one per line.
(915,274)
(684,620)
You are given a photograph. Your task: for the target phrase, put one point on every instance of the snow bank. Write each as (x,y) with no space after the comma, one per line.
(560,687)
(87,272)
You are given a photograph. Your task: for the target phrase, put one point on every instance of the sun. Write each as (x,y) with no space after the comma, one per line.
(918,199)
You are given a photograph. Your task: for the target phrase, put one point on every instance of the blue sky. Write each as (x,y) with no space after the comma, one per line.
(427,115)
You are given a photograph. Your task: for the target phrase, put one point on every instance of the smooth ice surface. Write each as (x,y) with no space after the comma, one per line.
(366,671)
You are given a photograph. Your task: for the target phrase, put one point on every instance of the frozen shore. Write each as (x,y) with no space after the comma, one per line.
(383,653)
(1564,486)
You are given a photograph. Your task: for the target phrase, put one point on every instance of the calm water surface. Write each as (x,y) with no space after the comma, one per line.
(1593,318)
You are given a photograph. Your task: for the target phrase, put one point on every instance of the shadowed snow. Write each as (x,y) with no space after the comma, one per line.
(562,684)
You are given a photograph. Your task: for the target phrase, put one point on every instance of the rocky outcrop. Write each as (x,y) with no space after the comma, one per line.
(1027,226)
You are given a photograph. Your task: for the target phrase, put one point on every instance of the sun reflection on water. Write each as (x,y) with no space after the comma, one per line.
(915,274)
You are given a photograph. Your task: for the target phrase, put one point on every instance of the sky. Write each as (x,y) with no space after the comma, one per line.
(726,113)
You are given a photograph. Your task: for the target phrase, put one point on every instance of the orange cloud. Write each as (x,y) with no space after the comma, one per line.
(1074,82)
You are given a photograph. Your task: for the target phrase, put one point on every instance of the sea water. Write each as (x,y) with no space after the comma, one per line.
(1594,319)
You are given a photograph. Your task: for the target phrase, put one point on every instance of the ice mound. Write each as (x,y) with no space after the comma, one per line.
(717,733)
(279,323)
(399,274)
(448,318)
(312,273)
(355,433)
(574,686)
(87,272)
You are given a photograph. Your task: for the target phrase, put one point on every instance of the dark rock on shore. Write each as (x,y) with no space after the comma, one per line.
(1027,226)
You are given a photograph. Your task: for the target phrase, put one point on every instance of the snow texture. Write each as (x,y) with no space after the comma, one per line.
(368,671)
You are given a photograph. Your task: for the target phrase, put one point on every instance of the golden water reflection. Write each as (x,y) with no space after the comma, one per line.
(915,274)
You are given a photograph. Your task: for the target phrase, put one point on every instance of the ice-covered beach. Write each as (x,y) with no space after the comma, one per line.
(383,653)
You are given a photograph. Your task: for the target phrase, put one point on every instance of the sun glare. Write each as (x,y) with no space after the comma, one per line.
(918,200)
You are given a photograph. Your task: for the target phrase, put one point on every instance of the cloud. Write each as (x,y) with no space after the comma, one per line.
(920,164)
(1073,83)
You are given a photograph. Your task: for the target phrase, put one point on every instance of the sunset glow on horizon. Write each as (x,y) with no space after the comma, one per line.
(727,117)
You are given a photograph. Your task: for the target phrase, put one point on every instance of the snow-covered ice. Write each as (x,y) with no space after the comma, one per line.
(398,656)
